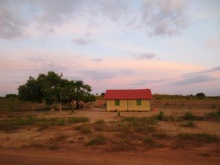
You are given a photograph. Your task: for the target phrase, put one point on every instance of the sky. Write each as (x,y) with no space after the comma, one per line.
(168,46)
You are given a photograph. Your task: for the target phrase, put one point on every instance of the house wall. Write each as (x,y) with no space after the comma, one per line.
(112,107)
(128,105)
(145,105)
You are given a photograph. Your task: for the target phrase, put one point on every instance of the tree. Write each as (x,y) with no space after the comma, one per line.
(200,95)
(54,89)
(30,91)
(79,92)
(103,94)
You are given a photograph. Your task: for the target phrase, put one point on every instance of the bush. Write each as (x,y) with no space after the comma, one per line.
(77,119)
(213,115)
(160,116)
(200,95)
(188,124)
(121,145)
(100,122)
(150,142)
(84,129)
(142,120)
(187,140)
(198,137)
(189,116)
(160,135)
(97,140)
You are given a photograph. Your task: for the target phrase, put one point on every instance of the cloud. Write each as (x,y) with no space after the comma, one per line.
(148,81)
(164,17)
(197,77)
(205,71)
(193,80)
(11,25)
(36,59)
(102,75)
(96,60)
(97,75)
(81,41)
(161,18)
(148,56)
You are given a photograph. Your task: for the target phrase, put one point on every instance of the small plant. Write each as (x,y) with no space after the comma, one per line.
(35,145)
(188,140)
(160,135)
(121,145)
(119,114)
(213,115)
(150,142)
(100,122)
(189,124)
(43,126)
(77,119)
(98,140)
(160,116)
(84,129)
(189,116)
(199,137)
(60,122)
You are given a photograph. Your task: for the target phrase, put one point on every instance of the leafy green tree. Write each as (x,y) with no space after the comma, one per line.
(30,91)
(79,92)
(200,95)
(54,89)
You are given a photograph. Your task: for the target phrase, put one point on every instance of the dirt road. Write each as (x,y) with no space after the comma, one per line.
(40,157)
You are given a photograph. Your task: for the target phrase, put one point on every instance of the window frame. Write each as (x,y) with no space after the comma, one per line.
(117,102)
(138,102)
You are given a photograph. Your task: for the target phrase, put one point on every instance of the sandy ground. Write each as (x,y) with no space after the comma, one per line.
(14,150)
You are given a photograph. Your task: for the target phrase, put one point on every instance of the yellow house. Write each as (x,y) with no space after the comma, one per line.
(128,100)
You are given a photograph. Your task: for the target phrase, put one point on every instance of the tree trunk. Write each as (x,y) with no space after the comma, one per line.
(77,104)
(60,107)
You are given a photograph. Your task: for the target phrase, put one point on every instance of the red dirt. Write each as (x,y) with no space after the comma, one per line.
(20,146)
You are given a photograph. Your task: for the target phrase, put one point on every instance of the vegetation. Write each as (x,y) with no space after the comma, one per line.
(189,124)
(97,140)
(194,140)
(42,123)
(160,116)
(77,119)
(213,115)
(200,95)
(53,88)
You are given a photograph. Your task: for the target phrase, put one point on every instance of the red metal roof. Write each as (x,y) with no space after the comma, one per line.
(128,94)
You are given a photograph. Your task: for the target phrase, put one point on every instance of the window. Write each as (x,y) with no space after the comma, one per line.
(117,102)
(138,102)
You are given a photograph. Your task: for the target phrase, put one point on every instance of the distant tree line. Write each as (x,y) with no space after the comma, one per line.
(54,89)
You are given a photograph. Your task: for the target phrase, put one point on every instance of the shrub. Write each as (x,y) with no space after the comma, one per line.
(160,135)
(119,114)
(99,128)
(160,116)
(84,129)
(97,140)
(121,145)
(198,137)
(100,122)
(150,142)
(60,122)
(188,124)
(189,116)
(213,115)
(77,119)
(141,120)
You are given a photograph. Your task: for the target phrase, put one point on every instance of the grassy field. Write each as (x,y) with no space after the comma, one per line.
(170,129)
